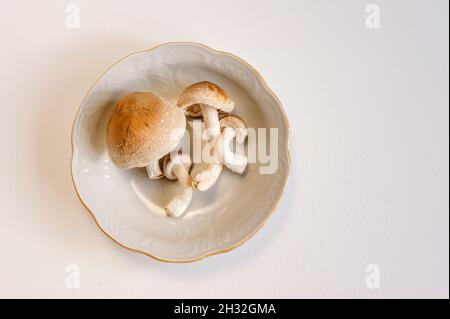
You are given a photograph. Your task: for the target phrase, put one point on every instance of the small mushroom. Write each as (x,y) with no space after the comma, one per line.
(142,129)
(176,166)
(233,127)
(210,98)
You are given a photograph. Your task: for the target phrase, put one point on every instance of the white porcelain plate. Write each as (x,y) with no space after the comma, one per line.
(127,205)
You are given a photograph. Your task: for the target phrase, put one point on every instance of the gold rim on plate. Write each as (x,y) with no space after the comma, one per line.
(220,251)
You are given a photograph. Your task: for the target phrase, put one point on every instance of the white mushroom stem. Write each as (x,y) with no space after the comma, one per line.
(178,205)
(235,162)
(154,170)
(211,119)
(208,177)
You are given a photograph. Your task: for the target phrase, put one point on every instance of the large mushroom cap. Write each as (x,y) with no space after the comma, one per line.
(143,127)
(205,93)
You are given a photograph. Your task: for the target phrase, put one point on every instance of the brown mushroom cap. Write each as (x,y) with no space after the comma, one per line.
(143,127)
(205,93)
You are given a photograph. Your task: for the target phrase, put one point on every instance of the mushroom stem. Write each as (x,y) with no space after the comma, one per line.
(211,119)
(154,170)
(207,178)
(177,206)
(235,162)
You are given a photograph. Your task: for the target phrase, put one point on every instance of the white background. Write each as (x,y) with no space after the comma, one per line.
(369,114)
